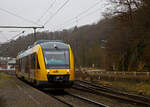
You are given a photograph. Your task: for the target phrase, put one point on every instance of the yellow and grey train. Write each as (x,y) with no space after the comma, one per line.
(47,64)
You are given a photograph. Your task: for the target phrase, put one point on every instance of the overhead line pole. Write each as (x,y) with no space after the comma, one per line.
(25,27)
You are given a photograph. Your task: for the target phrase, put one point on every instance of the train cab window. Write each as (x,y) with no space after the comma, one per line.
(57,59)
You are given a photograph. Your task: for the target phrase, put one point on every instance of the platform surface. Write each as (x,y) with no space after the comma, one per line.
(15,93)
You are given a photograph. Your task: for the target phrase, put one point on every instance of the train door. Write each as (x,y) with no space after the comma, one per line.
(32,67)
(37,67)
(17,67)
(20,68)
(28,67)
(36,62)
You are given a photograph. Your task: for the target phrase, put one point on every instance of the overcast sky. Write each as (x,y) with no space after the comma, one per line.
(39,11)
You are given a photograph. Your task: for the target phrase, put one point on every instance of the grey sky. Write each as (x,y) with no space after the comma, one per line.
(33,9)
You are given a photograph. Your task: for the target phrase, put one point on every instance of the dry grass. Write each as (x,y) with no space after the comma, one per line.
(6,76)
(137,88)
(125,83)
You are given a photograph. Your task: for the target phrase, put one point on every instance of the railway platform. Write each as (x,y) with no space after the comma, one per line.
(15,93)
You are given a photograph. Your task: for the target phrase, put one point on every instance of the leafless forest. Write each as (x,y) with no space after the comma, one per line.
(121,41)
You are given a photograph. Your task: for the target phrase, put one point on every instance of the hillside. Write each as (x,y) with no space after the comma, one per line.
(119,43)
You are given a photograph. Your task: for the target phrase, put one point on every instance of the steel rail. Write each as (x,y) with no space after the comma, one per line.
(69,105)
(75,96)
(108,89)
(64,102)
(44,92)
(88,100)
(110,94)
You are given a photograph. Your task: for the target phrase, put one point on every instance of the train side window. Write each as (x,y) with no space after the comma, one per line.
(26,64)
(32,61)
(17,64)
(29,61)
(23,64)
(38,65)
(20,64)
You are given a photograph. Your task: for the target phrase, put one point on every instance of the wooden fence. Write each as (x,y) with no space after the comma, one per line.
(121,73)
(119,76)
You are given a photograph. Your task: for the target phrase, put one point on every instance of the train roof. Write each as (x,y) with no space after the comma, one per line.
(45,45)
(54,45)
(44,41)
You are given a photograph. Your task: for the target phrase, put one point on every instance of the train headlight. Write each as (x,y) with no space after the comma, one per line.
(55,46)
(67,71)
(48,71)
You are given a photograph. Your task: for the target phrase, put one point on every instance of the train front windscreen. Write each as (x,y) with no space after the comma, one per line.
(57,59)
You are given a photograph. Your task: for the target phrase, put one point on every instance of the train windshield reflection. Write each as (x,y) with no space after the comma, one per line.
(56,59)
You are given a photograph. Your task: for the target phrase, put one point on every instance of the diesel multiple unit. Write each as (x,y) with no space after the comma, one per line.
(47,64)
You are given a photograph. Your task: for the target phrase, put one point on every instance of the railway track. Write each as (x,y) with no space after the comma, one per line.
(72,100)
(60,96)
(106,91)
(88,100)
(62,101)
(47,92)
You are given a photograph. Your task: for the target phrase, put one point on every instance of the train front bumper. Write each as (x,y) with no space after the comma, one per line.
(56,81)
(46,84)
(58,78)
